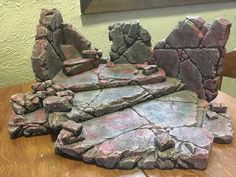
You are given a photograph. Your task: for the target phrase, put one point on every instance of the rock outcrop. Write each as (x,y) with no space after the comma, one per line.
(194,52)
(131,43)
(48,51)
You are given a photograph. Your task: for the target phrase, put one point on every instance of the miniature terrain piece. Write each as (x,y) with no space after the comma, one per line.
(194,52)
(126,114)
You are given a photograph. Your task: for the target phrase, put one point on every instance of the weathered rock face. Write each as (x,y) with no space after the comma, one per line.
(46,57)
(25,103)
(73,37)
(48,54)
(194,52)
(29,124)
(130,43)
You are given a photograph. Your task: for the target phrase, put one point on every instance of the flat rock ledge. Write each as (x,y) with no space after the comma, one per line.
(146,126)
(105,76)
(126,140)
(171,131)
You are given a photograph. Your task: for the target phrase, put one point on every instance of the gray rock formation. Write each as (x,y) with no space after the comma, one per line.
(51,33)
(130,43)
(194,52)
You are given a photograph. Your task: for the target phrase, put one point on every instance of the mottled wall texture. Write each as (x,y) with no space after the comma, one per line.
(20,17)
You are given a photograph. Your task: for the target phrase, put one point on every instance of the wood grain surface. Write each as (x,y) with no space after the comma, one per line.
(100,6)
(35,157)
(230,64)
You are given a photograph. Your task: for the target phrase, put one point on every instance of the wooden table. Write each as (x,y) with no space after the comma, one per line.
(35,157)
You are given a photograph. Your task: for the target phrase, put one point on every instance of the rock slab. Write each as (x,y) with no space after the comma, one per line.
(194,52)
(130,43)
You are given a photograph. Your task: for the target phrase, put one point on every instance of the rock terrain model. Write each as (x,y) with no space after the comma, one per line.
(194,53)
(128,113)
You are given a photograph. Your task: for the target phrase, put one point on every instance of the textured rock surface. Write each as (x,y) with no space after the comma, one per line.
(30,124)
(218,122)
(117,140)
(25,103)
(90,104)
(73,37)
(179,114)
(108,77)
(57,104)
(193,52)
(173,130)
(51,33)
(79,65)
(130,43)
(100,102)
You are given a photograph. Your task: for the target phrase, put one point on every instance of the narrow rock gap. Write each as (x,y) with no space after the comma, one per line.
(95,97)
(52,44)
(150,123)
(145,174)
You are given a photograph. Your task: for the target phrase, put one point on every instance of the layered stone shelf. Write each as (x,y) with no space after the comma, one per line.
(107,77)
(142,107)
(164,133)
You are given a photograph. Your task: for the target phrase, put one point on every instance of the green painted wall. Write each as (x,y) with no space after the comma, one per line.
(19,18)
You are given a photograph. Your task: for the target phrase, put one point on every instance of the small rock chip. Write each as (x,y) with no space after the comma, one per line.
(89,110)
(164,142)
(49,83)
(50,91)
(42,87)
(65,93)
(73,127)
(57,104)
(35,86)
(136,72)
(41,94)
(147,69)
(18,108)
(92,53)
(18,98)
(150,69)
(58,87)
(218,107)
(211,115)
(29,96)
(68,138)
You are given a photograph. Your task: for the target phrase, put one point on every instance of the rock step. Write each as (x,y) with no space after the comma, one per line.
(30,124)
(108,77)
(128,139)
(78,65)
(90,104)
